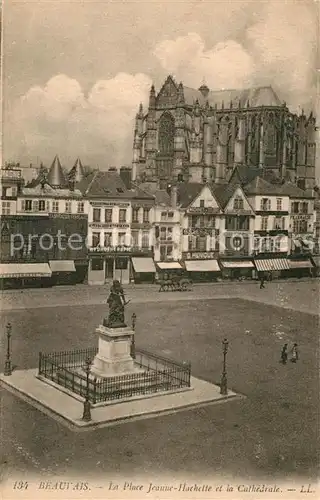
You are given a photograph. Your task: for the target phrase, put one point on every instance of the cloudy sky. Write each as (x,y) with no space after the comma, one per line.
(75,71)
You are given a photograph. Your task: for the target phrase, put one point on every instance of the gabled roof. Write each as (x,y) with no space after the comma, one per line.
(242,174)
(261,186)
(253,97)
(76,174)
(56,176)
(223,193)
(187,192)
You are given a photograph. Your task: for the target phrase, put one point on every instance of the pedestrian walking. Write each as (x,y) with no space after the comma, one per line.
(294,353)
(262,282)
(284,354)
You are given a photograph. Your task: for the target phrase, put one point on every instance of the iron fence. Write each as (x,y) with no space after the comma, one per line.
(154,374)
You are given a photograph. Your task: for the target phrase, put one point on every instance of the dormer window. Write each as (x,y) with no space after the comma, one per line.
(120,190)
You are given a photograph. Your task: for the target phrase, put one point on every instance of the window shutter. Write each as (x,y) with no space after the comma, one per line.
(23,205)
(35,205)
(47,206)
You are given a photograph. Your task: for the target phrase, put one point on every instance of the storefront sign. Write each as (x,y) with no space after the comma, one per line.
(109,204)
(202,210)
(98,225)
(301,217)
(67,216)
(199,231)
(119,249)
(199,255)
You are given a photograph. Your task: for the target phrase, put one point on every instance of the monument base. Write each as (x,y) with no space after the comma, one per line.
(114,348)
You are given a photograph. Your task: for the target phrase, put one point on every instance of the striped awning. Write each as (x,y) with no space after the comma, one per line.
(272,264)
(143,264)
(202,265)
(17,270)
(297,243)
(169,265)
(298,264)
(58,266)
(237,264)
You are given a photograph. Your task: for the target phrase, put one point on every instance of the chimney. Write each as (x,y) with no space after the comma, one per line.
(112,169)
(126,176)
(174,196)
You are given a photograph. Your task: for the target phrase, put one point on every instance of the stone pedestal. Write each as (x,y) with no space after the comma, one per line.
(113,356)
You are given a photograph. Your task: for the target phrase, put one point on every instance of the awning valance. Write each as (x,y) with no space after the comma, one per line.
(272,264)
(202,265)
(169,265)
(143,264)
(58,266)
(237,264)
(298,264)
(17,270)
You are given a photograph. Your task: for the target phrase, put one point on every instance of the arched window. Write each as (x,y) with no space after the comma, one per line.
(166,134)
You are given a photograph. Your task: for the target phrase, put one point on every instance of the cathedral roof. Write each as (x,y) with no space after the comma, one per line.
(56,176)
(252,97)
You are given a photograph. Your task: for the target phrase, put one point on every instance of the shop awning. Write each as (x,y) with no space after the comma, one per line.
(202,265)
(316,260)
(237,264)
(17,270)
(58,266)
(169,265)
(298,264)
(307,243)
(272,264)
(143,264)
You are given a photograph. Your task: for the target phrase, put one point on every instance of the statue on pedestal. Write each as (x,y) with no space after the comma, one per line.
(117,303)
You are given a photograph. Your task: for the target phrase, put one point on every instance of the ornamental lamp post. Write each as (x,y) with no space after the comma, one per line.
(86,405)
(224,384)
(133,344)
(7,365)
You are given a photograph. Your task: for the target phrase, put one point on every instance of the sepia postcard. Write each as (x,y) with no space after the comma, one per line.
(159,249)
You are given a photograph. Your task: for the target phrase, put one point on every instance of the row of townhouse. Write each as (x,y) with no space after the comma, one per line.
(101,226)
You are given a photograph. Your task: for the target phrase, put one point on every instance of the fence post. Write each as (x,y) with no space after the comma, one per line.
(39,363)
(7,365)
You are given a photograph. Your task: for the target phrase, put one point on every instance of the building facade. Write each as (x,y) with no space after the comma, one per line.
(202,135)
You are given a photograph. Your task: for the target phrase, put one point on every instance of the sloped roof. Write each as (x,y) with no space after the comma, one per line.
(109,185)
(294,191)
(187,192)
(162,197)
(56,176)
(261,186)
(243,174)
(49,191)
(255,97)
(223,193)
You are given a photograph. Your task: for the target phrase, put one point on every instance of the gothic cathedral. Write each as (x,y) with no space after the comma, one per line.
(202,135)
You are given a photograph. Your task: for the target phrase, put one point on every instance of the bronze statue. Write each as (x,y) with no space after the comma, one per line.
(117,303)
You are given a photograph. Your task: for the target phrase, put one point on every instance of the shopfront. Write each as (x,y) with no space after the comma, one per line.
(300,268)
(201,266)
(272,268)
(113,263)
(167,270)
(237,269)
(143,269)
(24,275)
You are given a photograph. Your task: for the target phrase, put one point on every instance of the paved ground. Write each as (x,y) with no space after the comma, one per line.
(300,295)
(270,434)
